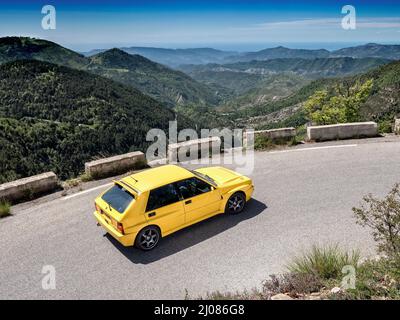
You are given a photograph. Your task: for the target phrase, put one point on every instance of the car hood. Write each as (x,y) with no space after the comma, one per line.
(222,175)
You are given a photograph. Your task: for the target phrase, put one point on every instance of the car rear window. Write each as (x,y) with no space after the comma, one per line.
(118,198)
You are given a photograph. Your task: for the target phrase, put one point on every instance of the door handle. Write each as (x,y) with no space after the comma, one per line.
(151,214)
(188,202)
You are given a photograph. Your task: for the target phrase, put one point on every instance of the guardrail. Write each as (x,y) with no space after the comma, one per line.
(184,151)
(342,131)
(115,165)
(397,126)
(27,188)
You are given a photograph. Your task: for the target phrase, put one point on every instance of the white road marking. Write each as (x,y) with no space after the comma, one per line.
(317,148)
(87,191)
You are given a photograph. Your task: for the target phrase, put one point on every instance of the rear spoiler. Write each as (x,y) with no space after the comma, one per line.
(124,185)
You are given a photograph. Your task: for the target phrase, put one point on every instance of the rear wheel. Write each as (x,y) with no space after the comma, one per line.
(148,238)
(235,203)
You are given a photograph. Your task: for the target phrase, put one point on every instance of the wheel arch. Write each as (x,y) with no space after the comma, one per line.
(149,225)
(229,194)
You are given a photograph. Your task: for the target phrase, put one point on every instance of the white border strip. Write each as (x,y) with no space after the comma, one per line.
(87,191)
(317,148)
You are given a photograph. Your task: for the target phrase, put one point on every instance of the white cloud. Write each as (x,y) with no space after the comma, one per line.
(373,23)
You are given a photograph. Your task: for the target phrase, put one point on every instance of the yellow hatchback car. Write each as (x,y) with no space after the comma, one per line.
(141,208)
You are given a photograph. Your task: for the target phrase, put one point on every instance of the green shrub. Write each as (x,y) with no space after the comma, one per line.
(265,143)
(85,177)
(383,217)
(262,143)
(5,208)
(343,105)
(376,279)
(324,262)
(292,284)
(385,126)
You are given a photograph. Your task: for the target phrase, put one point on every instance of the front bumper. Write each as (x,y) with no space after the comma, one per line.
(126,240)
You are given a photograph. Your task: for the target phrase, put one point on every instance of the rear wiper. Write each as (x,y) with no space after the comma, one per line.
(109,205)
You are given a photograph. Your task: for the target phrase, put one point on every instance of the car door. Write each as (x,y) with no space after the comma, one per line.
(200,199)
(165,208)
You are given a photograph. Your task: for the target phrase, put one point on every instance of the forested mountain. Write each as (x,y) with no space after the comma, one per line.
(176,57)
(279,52)
(370,50)
(164,84)
(382,105)
(258,82)
(308,68)
(56,118)
(18,48)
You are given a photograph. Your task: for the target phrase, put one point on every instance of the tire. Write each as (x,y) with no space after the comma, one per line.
(236,203)
(148,238)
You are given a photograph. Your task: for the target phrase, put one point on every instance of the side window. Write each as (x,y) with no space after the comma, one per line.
(192,187)
(162,196)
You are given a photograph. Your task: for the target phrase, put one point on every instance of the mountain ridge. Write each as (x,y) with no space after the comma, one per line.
(177,57)
(158,81)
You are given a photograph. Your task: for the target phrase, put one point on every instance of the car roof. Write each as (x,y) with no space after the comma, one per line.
(156,177)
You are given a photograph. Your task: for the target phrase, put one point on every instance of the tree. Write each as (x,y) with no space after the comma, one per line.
(383,216)
(342,106)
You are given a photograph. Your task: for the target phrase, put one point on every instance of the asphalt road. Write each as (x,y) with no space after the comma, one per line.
(302,198)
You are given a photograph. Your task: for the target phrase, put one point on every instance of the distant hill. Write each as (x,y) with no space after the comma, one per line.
(166,85)
(176,57)
(309,68)
(279,52)
(18,48)
(370,50)
(200,56)
(162,83)
(56,118)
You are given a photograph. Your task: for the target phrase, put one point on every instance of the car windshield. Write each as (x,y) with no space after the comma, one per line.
(118,198)
(205,177)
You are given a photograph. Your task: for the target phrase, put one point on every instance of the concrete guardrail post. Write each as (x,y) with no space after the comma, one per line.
(342,131)
(115,165)
(27,188)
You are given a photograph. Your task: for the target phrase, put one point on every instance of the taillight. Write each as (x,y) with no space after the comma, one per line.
(120,227)
(97,208)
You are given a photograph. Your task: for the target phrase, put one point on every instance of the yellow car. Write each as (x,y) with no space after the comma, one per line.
(141,208)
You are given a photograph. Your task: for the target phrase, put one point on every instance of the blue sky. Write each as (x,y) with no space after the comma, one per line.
(236,25)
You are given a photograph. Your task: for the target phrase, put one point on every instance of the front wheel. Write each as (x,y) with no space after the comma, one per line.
(235,203)
(148,238)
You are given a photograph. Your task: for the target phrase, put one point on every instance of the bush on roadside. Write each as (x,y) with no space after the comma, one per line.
(85,177)
(375,279)
(324,262)
(266,143)
(288,283)
(5,208)
(385,126)
(292,284)
(383,217)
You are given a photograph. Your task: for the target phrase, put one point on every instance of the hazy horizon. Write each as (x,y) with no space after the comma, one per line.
(221,24)
(238,47)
